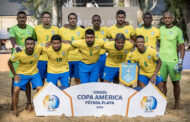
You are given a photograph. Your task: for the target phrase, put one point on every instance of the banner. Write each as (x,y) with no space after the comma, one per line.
(149,102)
(128,73)
(97,99)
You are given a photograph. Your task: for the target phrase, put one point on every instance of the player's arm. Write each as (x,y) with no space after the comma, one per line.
(12,37)
(10,64)
(153,78)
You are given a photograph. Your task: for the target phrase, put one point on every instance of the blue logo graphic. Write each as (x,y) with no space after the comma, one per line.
(149,103)
(51,102)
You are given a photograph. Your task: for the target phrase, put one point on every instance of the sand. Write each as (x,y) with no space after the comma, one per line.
(181,115)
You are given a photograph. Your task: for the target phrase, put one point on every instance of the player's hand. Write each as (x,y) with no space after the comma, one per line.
(18,48)
(126,23)
(153,79)
(48,44)
(66,25)
(179,66)
(16,78)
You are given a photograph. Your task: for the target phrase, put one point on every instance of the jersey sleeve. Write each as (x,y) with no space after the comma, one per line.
(76,43)
(34,34)
(180,37)
(155,55)
(132,31)
(15,57)
(12,32)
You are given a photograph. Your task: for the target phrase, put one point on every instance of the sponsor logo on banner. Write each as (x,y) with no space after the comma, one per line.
(51,102)
(149,103)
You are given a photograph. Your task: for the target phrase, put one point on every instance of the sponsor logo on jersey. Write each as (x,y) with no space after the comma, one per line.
(102,32)
(78,33)
(35,55)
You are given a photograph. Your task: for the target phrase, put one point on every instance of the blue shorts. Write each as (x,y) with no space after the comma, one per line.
(145,79)
(42,68)
(63,77)
(110,73)
(74,69)
(88,72)
(102,61)
(24,79)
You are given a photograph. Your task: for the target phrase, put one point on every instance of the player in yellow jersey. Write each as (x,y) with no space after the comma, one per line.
(117,53)
(44,33)
(150,33)
(121,27)
(90,49)
(58,67)
(18,34)
(101,33)
(149,64)
(73,32)
(27,70)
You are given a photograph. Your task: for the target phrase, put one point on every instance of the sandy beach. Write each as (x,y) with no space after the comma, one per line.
(24,116)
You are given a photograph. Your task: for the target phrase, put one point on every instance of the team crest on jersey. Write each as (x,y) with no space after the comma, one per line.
(63,53)
(102,32)
(29,32)
(13,57)
(149,56)
(152,33)
(125,51)
(126,31)
(53,32)
(170,32)
(35,55)
(78,33)
(96,47)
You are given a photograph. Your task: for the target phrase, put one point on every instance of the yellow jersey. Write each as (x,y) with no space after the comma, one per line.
(89,55)
(116,57)
(44,35)
(146,61)
(127,30)
(151,35)
(101,34)
(57,60)
(27,63)
(71,35)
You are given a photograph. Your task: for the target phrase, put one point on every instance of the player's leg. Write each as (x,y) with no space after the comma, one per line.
(64,79)
(36,81)
(76,72)
(109,74)
(12,90)
(142,81)
(94,74)
(164,74)
(159,83)
(28,97)
(53,78)
(15,99)
(24,79)
(42,67)
(102,61)
(175,77)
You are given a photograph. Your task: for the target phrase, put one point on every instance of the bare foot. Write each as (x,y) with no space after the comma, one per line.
(30,108)
(15,113)
(176,106)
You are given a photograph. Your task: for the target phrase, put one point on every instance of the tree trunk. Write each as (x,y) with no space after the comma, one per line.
(186,15)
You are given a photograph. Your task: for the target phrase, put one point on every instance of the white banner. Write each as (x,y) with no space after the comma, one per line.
(97,99)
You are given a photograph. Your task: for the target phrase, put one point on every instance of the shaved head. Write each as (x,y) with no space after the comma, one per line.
(168,14)
(168,19)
